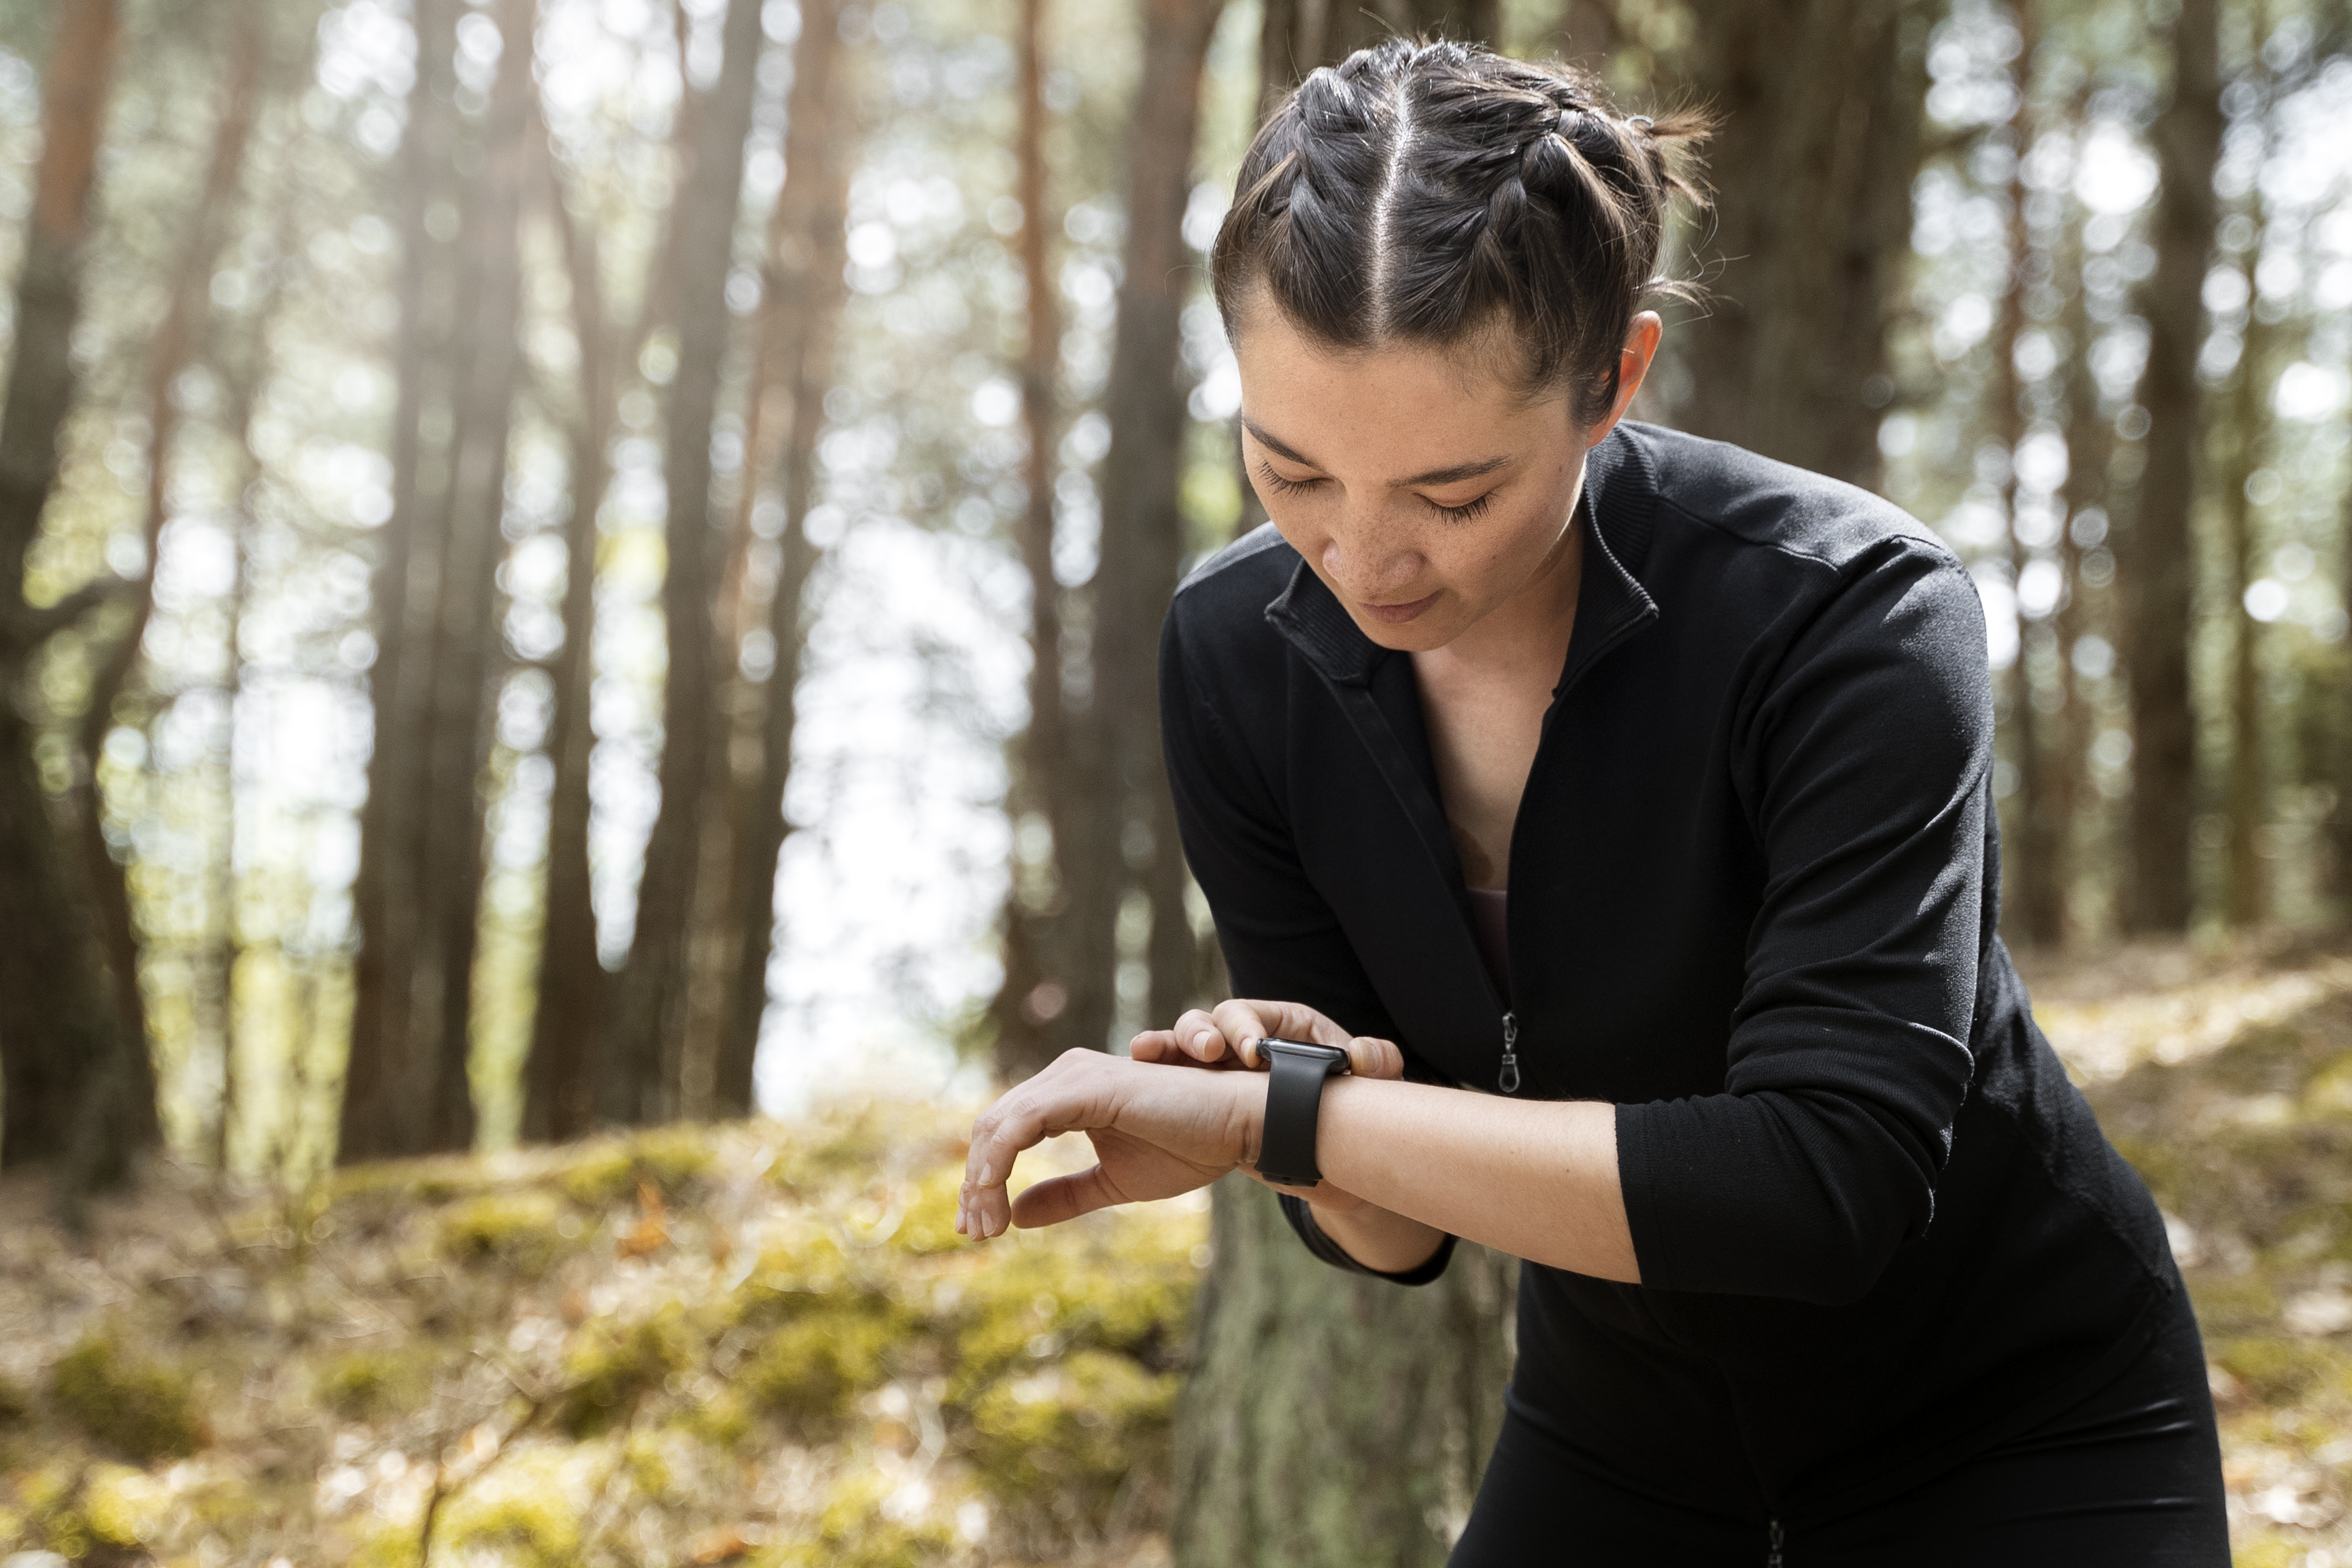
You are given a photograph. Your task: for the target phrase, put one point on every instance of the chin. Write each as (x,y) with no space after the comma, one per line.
(1426,631)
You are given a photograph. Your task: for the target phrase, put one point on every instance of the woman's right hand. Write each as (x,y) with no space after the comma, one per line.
(1225,1038)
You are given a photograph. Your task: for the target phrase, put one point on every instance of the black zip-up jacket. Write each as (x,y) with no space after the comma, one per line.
(1752,904)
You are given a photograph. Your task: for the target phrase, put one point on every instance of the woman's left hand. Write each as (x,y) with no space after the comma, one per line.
(1157,1131)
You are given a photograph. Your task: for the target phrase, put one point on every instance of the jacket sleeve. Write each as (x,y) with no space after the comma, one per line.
(1281,941)
(1863,750)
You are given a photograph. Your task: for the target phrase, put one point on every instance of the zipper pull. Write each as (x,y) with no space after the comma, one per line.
(1509,1081)
(1774,1560)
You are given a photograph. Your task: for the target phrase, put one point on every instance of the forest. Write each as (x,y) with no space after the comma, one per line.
(579,584)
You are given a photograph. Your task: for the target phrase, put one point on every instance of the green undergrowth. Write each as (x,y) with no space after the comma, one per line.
(752,1342)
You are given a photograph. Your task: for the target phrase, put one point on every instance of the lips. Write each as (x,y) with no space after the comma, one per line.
(1396,614)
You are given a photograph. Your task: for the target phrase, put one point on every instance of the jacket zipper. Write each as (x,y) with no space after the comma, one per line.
(1508,1082)
(1773,1560)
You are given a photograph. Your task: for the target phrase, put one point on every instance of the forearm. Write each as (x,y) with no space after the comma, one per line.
(1379,1238)
(1536,1179)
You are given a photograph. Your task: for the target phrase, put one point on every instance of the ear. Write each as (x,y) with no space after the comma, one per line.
(1632,364)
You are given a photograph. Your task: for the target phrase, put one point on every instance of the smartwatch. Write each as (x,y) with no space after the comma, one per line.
(1294,1096)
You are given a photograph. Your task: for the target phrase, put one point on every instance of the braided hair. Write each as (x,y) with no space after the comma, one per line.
(1430,192)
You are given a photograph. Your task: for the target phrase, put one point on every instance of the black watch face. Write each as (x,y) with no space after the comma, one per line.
(1307,1048)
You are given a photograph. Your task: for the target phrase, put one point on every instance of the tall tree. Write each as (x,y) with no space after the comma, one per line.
(807,252)
(1332,1420)
(1820,103)
(1113,761)
(559,1067)
(2245,894)
(59,1030)
(2090,437)
(2031,810)
(489,365)
(379,1113)
(2159,563)
(638,1074)
(1036,991)
(170,352)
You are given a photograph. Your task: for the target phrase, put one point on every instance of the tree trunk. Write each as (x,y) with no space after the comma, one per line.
(639,1077)
(170,352)
(59,1030)
(1114,757)
(378,1118)
(806,254)
(466,635)
(2089,443)
(1295,36)
(1035,989)
(2160,563)
(2030,810)
(1821,102)
(2245,891)
(559,1070)
(1330,1419)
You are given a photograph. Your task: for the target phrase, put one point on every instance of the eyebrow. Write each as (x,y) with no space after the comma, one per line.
(1451,474)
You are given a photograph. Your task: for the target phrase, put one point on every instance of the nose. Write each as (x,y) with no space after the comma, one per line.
(1371,565)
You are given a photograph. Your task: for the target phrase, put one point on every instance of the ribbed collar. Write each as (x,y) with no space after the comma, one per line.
(1620,496)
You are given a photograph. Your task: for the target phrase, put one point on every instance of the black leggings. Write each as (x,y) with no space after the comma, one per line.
(2130,1478)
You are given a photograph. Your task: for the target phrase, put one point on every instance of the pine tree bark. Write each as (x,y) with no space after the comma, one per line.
(1035,991)
(639,1078)
(2246,883)
(380,1115)
(2159,565)
(1821,102)
(466,634)
(132,1124)
(1332,1420)
(61,1038)
(1114,771)
(560,1068)
(2089,445)
(806,255)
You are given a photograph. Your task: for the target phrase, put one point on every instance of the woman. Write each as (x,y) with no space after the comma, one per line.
(1616,804)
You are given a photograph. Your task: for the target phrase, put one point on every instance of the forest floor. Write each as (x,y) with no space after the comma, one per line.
(762,1344)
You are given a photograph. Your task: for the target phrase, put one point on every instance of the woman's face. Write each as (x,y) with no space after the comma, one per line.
(1417,483)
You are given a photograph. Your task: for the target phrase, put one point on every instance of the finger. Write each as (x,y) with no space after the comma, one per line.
(1015,1122)
(1059,1198)
(1155,1045)
(1371,1057)
(1198,1033)
(1242,1025)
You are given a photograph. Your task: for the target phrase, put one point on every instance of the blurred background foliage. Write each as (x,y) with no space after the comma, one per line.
(577,565)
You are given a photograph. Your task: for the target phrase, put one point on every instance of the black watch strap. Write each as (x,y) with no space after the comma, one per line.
(1294,1100)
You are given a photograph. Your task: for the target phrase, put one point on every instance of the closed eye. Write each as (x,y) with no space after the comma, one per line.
(1281,485)
(1466,512)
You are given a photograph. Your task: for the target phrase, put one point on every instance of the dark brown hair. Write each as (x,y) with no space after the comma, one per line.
(1430,192)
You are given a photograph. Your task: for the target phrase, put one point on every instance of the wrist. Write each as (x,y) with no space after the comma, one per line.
(1248,1091)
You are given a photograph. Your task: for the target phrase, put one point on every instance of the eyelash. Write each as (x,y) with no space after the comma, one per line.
(1466,512)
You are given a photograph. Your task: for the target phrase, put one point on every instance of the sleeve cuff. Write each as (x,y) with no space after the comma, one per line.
(1301,1215)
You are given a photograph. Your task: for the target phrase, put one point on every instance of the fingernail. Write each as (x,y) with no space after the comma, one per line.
(987,1175)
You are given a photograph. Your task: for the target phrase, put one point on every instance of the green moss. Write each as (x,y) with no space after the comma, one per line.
(1076,1427)
(853,1532)
(365,1384)
(610,1367)
(2277,1369)
(521,1229)
(523,1515)
(2231,1306)
(814,1366)
(143,1410)
(608,1173)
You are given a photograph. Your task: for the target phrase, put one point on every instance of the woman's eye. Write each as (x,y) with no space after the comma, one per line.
(1281,485)
(1466,512)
